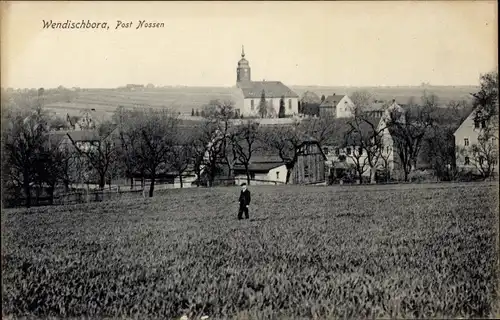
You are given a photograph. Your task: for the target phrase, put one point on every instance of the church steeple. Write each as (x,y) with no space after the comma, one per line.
(243,70)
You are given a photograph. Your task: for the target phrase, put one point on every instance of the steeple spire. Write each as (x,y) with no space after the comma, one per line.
(242,51)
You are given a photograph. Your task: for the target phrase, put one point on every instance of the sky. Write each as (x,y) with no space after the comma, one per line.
(373,43)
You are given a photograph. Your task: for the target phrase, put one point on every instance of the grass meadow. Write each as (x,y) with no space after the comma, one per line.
(402,251)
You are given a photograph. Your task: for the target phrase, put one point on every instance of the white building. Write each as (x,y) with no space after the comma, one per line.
(249,94)
(339,106)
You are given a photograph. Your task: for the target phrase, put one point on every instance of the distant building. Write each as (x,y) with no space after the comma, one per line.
(339,106)
(249,94)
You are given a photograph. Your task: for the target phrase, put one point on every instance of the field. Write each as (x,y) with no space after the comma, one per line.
(184,99)
(414,251)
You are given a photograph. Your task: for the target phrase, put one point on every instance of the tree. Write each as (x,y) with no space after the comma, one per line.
(361,100)
(101,153)
(408,131)
(192,112)
(129,137)
(155,130)
(197,113)
(180,157)
(263,105)
(244,144)
(485,113)
(323,98)
(24,138)
(367,135)
(282,107)
(52,168)
(486,99)
(286,142)
(485,153)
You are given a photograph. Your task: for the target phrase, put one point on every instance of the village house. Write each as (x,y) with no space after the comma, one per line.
(339,106)
(467,136)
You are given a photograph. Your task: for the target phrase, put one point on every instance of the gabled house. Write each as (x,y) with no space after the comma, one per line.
(472,153)
(339,106)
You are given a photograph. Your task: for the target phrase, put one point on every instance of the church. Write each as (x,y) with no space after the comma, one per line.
(250,94)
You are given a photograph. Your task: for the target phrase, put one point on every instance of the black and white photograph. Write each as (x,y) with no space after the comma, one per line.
(250,160)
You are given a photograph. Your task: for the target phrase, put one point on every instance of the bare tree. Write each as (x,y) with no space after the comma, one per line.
(181,155)
(408,130)
(129,137)
(321,129)
(355,153)
(361,100)
(244,143)
(101,153)
(156,130)
(286,142)
(485,151)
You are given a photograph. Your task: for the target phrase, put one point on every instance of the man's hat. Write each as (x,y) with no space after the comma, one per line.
(243,184)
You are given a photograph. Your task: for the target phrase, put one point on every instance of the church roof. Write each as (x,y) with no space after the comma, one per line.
(272,89)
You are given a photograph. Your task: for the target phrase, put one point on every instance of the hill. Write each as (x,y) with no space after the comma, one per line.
(185,99)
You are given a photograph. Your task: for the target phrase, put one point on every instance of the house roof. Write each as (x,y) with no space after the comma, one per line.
(259,167)
(272,89)
(331,101)
(83,135)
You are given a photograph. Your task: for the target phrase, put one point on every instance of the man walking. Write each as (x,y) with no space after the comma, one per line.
(244,201)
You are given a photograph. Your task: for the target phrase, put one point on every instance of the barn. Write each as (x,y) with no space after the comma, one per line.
(309,167)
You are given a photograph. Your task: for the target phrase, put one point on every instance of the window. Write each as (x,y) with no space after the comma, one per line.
(325,150)
(348,151)
(290,104)
(252,105)
(277,175)
(466,142)
(467,161)
(342,158)
(476,124)
(306,171)
(483,124)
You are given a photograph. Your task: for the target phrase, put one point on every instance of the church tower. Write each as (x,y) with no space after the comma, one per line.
(243,70)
